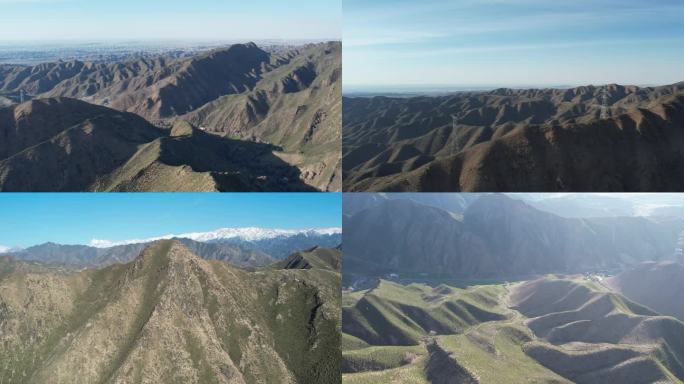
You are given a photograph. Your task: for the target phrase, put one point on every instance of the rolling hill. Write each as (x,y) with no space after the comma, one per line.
(598,336)
(507,140)
(658,286)
(233,119)
(549,330)
(182,318)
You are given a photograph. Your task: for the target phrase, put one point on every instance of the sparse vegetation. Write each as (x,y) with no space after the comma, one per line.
(550,330)
(169,316)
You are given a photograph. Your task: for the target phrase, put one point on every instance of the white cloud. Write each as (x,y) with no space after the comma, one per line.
(371,38)
(247,234)
(4,249)
(419,53)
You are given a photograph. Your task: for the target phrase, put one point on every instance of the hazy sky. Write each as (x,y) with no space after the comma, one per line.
(170,19)
(66,218)
(512,42)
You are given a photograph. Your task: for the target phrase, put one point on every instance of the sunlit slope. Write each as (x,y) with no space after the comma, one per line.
(550,330)
(516,140)
(597,335)
(274,118)
(170,316)
(391,314)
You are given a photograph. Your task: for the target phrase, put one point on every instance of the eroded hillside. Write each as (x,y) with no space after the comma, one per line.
(170,316)
(553,329)
(517,140)
(256,120)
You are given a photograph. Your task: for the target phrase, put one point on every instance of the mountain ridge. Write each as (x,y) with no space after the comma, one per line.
(283,109)
(498,237)
(248,252)
(169,302)
(523,140)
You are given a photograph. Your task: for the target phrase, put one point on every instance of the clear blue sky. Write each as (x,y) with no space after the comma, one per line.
(30,219)
(512,42)
(170,19)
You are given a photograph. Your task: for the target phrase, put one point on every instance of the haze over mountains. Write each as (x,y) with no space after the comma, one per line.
(244,247)
(171,316)
(496,237)
(548,330)
(236,118)
(606,138)
(486,288)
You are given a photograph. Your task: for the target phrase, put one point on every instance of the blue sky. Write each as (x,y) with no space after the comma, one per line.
(65,218)
(206,20)
(512,42)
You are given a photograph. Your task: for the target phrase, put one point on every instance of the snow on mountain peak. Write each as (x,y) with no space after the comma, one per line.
(244,234)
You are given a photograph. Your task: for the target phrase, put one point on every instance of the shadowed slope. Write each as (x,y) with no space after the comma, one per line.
(289,101)
(392,314)
(318,258)
(542,142)
(69,145)
(598,335)
(658,286)
(497,237)
(296,106)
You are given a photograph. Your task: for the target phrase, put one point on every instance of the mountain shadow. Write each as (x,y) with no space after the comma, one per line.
(69,145)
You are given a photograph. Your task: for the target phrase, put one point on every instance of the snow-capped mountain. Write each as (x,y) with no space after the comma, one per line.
(250,234)
(239,246)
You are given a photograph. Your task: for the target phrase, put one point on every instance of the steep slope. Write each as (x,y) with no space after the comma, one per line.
(284,106)
(70,152)
(68,145)
(507,140)
(197,161)
(550,330)
(245,247)
(10,266)
(453,203)
(314,258)
(482,343)
(282,246)
(498,237)
(153,88)
(392,314)
(170,316)
(597,335)
(658,286)
(586,205)
(80,256)
(296,106)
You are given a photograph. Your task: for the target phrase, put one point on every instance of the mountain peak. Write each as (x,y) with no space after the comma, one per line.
(171,250)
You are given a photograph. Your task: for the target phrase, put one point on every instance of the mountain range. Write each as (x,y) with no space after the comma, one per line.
(496,237)
(552,329)
(243,247)
(606,138)
(232,119)
(170,316)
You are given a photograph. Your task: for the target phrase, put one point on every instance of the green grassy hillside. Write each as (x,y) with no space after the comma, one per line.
(172,317)
(391,314)
(550,330)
